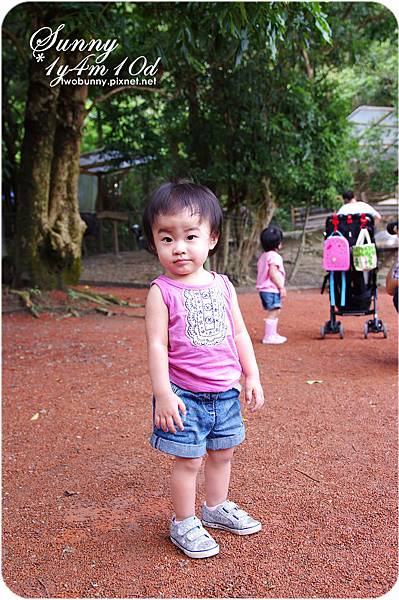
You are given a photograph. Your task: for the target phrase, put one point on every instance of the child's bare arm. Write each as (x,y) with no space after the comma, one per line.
(167,404)
(253,388)
(277,279)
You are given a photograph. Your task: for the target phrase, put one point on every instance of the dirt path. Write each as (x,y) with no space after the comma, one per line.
(85,498)
(138,268)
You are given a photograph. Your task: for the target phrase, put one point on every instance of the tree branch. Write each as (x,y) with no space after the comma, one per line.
(20,48)
(117,90)
(347,12)
(370,19)
(309,68)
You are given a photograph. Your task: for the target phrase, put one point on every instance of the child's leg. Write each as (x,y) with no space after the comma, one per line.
(273,314)
(271,322)
(217,475)
(183,486)
(228,516)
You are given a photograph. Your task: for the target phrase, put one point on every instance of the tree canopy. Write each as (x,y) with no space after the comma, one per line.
(251,99)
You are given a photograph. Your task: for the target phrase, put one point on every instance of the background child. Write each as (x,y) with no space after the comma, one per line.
(270,282)
(198,347)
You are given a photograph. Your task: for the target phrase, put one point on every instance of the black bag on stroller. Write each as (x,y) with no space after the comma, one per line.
(351,292)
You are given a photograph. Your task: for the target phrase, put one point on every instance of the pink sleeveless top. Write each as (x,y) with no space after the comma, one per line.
(202,353)
(263,281)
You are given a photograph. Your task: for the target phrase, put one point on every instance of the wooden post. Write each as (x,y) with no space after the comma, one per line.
(116,241)
(293,218)
(301,246)
(100,207)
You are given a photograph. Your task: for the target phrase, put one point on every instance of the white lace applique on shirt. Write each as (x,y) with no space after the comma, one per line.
(206,321)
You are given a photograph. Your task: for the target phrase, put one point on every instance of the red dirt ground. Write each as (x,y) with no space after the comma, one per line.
(85,498)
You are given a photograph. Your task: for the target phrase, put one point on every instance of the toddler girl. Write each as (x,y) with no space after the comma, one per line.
(271,282)
(198,348)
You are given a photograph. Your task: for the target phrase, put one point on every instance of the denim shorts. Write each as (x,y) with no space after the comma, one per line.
(213,421)
(270,300)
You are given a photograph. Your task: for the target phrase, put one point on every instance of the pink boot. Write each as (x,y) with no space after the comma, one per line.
(271,336)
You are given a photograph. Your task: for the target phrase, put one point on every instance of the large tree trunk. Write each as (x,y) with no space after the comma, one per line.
(48,223)
(249,229)
(66,228)
(34,180)
(223,252)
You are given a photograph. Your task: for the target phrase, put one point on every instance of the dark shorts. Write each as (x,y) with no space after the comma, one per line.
(213,421)
(270,300)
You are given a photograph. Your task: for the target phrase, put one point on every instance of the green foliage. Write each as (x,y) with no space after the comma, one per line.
(355,26)
(375,164)
(237,101)
(232,127)
(282,219)
(313,134)
(373,79)
(367,76)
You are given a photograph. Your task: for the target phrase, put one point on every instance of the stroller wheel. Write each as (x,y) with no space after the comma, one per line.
(322,332)
(341,331)
(366,330)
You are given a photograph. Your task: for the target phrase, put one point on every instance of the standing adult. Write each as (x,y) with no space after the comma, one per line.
(352,206)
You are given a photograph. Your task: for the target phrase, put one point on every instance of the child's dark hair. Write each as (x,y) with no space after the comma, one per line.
(271,238)
(173,197)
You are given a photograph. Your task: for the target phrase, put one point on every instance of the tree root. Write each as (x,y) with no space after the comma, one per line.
(27,301)
(105,301)
(100,298)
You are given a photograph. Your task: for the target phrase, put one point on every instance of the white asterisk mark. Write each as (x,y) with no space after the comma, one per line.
(40,57)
